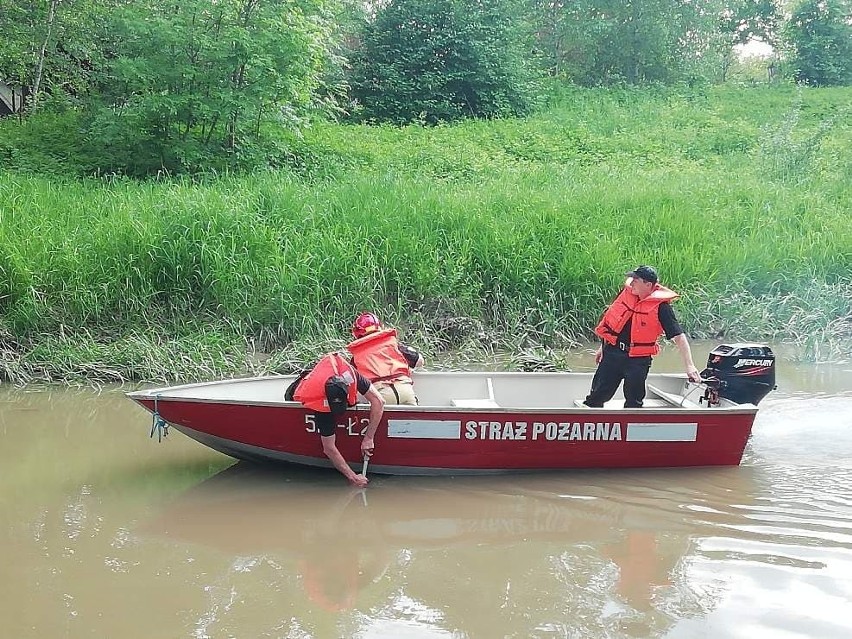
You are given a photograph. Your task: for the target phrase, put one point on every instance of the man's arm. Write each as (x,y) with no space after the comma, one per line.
(413,357)
(377,407)
(686,355)
(329,448)
(675,333)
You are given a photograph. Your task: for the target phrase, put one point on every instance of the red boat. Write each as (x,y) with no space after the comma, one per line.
(487,422)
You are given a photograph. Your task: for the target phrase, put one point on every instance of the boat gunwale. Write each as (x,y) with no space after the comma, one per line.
(162,394)
(485,374)
(218,382)
(485,410)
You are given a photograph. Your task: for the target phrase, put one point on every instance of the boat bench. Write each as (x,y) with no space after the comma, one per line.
(673,399)
(663,399)
(478,402)
(649,402)
(474,403)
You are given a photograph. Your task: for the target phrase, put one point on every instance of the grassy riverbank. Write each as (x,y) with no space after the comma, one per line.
(506,235)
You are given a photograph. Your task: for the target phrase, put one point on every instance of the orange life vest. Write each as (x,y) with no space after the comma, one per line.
(311,390)
(378,358)
(645,328)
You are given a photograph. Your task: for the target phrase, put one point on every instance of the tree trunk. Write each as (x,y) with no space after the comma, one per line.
(51,15)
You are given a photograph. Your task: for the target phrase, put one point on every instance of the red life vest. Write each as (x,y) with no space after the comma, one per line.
(378,358)
(645,328)
(311,390)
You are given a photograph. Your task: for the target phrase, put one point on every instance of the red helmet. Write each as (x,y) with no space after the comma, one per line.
(365,324)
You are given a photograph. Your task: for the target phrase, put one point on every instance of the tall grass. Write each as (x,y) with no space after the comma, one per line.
(509,234)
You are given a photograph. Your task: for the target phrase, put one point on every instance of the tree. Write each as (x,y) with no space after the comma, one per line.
(745,21)
(440,60)
(191,85)
(48,46)
(819,34)
(748,20)
(594,42)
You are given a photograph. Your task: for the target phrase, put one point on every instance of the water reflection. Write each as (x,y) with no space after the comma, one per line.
(593,553)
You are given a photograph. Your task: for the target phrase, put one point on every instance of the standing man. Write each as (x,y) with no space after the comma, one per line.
(329,389)
(629,331)
(378,355)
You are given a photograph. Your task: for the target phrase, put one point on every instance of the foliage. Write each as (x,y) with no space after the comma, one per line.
(748,20)
(511,232)
(52,43)
(753,71)
(815,315)
(743,22)
(788,157)
(600,42)
(441,60)
(193,85)
(44,143)
(819,33)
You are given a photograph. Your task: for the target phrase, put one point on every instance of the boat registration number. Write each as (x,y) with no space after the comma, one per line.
(352,425)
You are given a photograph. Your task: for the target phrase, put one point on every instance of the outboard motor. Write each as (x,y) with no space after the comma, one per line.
(741,373)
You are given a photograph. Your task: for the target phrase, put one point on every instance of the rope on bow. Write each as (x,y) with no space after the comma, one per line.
(160,425)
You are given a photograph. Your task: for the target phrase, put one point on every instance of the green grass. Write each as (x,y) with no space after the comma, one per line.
(485,235)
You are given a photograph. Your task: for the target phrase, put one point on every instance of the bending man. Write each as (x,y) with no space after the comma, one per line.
(378,355)
(329,389)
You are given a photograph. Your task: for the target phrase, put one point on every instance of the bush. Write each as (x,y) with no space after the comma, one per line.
(440,60)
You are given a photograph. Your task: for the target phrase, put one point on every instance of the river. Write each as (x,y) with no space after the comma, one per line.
(105,532)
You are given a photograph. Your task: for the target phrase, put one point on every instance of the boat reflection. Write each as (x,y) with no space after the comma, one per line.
(594,551)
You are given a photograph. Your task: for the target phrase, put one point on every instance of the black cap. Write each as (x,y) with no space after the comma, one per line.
(647,273)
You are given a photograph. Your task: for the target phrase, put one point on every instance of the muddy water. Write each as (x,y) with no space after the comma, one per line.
(107,533)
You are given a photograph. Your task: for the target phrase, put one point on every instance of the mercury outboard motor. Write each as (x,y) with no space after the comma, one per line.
(741,373)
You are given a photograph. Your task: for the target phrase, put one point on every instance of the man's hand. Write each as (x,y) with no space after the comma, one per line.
(598,355)
(367,446)
(359,481)
(377,406)
(686,355)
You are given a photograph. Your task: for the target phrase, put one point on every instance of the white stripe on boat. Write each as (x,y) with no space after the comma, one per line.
(424,428)
(661,432)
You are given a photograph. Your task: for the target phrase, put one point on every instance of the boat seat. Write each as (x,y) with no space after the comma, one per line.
(478,402)
(673,399)
(474,403)
(649,402)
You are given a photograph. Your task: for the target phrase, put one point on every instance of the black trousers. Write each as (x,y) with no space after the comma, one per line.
(614,368)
